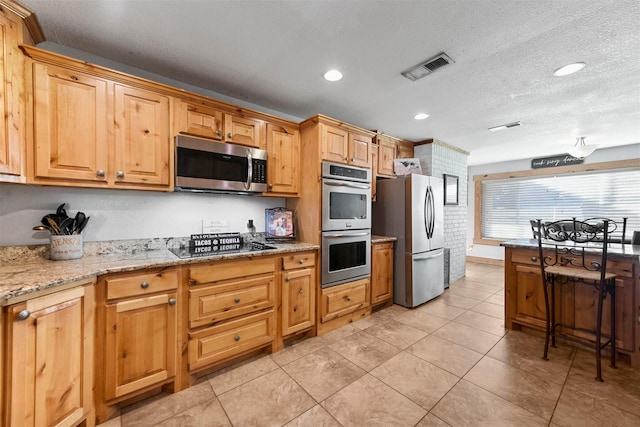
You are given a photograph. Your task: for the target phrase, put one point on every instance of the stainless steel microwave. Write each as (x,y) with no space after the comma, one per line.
(206,165)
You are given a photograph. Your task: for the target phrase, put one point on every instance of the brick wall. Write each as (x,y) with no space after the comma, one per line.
(437,159)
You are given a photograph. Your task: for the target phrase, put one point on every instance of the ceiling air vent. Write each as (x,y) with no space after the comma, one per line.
(427,67)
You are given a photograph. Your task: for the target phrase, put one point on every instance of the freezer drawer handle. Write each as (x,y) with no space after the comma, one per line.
(427,257)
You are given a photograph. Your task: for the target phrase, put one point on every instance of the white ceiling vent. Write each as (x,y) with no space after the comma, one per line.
(427,67)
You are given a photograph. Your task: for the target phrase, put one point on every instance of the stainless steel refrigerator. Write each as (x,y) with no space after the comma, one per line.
(411,208)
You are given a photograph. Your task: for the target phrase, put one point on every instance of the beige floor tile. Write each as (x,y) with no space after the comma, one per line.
(299,349)
(207,414)
(470,293)
(396,333)
(485,323)
(457,300)
(582,410)
(114,422)
(440,309)
(314,417)
(467,336)
(163,407)
(489,309)
(323,372)
(497,299)
(526,390)
(369,321)
(369,402)
(224,380)
(272,399)
(422,320)
(431,420)
(469,405)
(365,350)
(392,311)
(340,333)
(524,351)
(415,378)
(446,355)
(477,285)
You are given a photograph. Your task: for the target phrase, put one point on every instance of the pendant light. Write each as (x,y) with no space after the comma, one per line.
(581,150)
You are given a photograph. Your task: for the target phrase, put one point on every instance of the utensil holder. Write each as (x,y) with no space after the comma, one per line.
(65,247)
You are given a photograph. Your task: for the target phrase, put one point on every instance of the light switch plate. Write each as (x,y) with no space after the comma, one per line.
(210,226)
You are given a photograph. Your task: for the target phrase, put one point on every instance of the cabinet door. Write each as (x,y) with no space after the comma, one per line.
(242,130)
(51,359)
(200,120)
(335,142)
(298,300)
(530,295)
(340,300)
(70,125)
(386,156)
(140,343)
(359,150)
(381,272)
(11,106)
(404,149)
(141,137)
(283,162)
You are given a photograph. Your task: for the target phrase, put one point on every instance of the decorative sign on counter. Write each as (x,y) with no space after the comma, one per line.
(212,243)
(555,161)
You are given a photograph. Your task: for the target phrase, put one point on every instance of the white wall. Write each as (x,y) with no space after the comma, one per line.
(124,214)
(497,252)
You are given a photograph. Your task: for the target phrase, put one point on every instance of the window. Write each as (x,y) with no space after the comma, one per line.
(508,204)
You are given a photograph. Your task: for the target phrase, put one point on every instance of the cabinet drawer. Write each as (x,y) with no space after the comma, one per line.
(141,284)
(230,338)
(301,260)
(223,301)
(237,269)
(525,256)
(340,300)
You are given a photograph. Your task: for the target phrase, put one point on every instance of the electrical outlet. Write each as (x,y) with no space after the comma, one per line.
(210,226)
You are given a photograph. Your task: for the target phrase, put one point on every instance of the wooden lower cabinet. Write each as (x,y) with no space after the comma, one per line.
(382,273)
(49,377)
(575,302)
(298,285)
(136,335)
(231,309)
(343,304)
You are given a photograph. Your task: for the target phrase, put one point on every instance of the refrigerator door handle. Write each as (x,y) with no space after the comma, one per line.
(428,212)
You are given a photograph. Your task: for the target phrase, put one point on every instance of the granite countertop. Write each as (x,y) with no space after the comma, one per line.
(27,269)
(623,250)
(382,239)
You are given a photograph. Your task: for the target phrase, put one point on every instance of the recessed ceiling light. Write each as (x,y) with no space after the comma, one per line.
(421,116)
(569,69)
(333,75)
(507,126)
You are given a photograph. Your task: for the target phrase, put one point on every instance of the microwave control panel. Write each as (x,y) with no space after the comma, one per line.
(259,171)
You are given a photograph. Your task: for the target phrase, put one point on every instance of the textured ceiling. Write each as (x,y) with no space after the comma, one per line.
(273,53)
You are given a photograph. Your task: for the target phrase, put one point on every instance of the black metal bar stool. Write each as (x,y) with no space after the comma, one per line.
(573,251)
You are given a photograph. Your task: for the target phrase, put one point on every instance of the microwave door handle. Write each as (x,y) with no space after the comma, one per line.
(247,185)
(335,236)
(347,184)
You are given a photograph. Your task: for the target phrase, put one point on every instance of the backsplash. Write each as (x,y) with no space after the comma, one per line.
(125,214)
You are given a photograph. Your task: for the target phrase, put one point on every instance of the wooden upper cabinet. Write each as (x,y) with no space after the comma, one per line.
(386,155)
(335,144)
(283,161)
(359,150)
(404,149)
(11,100)
(142,142)
(71,134)
(210,122)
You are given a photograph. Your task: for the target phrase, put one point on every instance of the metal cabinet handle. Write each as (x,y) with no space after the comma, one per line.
(352,159)
(236,300)
(301,261)
(100,172)
(270,186)
(534,259)
(230,135)
(348,298)
(23,315)
(120,174)
(346,159)
(300,291)
(237,338)
(286,279)
(218,132)
(172,301)
(144,285)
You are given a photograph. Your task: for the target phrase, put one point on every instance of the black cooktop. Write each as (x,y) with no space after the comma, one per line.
(186,253)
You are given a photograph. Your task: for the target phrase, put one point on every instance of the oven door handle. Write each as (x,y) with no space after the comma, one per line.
(347,184)
(336,236)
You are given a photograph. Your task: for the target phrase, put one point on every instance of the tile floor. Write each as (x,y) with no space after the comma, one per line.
(448,362)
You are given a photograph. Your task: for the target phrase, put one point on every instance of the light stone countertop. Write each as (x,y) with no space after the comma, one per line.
(27,269)
(614,249)
(382,239)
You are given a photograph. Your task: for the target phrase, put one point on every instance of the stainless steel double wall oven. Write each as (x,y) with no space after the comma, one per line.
(346,223)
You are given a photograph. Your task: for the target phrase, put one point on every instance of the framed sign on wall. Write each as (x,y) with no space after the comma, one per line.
(450,189)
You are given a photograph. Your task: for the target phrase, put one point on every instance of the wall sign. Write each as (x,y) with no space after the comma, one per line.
(555,161)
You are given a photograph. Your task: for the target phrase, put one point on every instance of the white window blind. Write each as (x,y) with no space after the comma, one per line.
(509,204)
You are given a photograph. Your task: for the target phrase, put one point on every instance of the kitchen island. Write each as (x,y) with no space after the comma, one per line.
(524,297)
